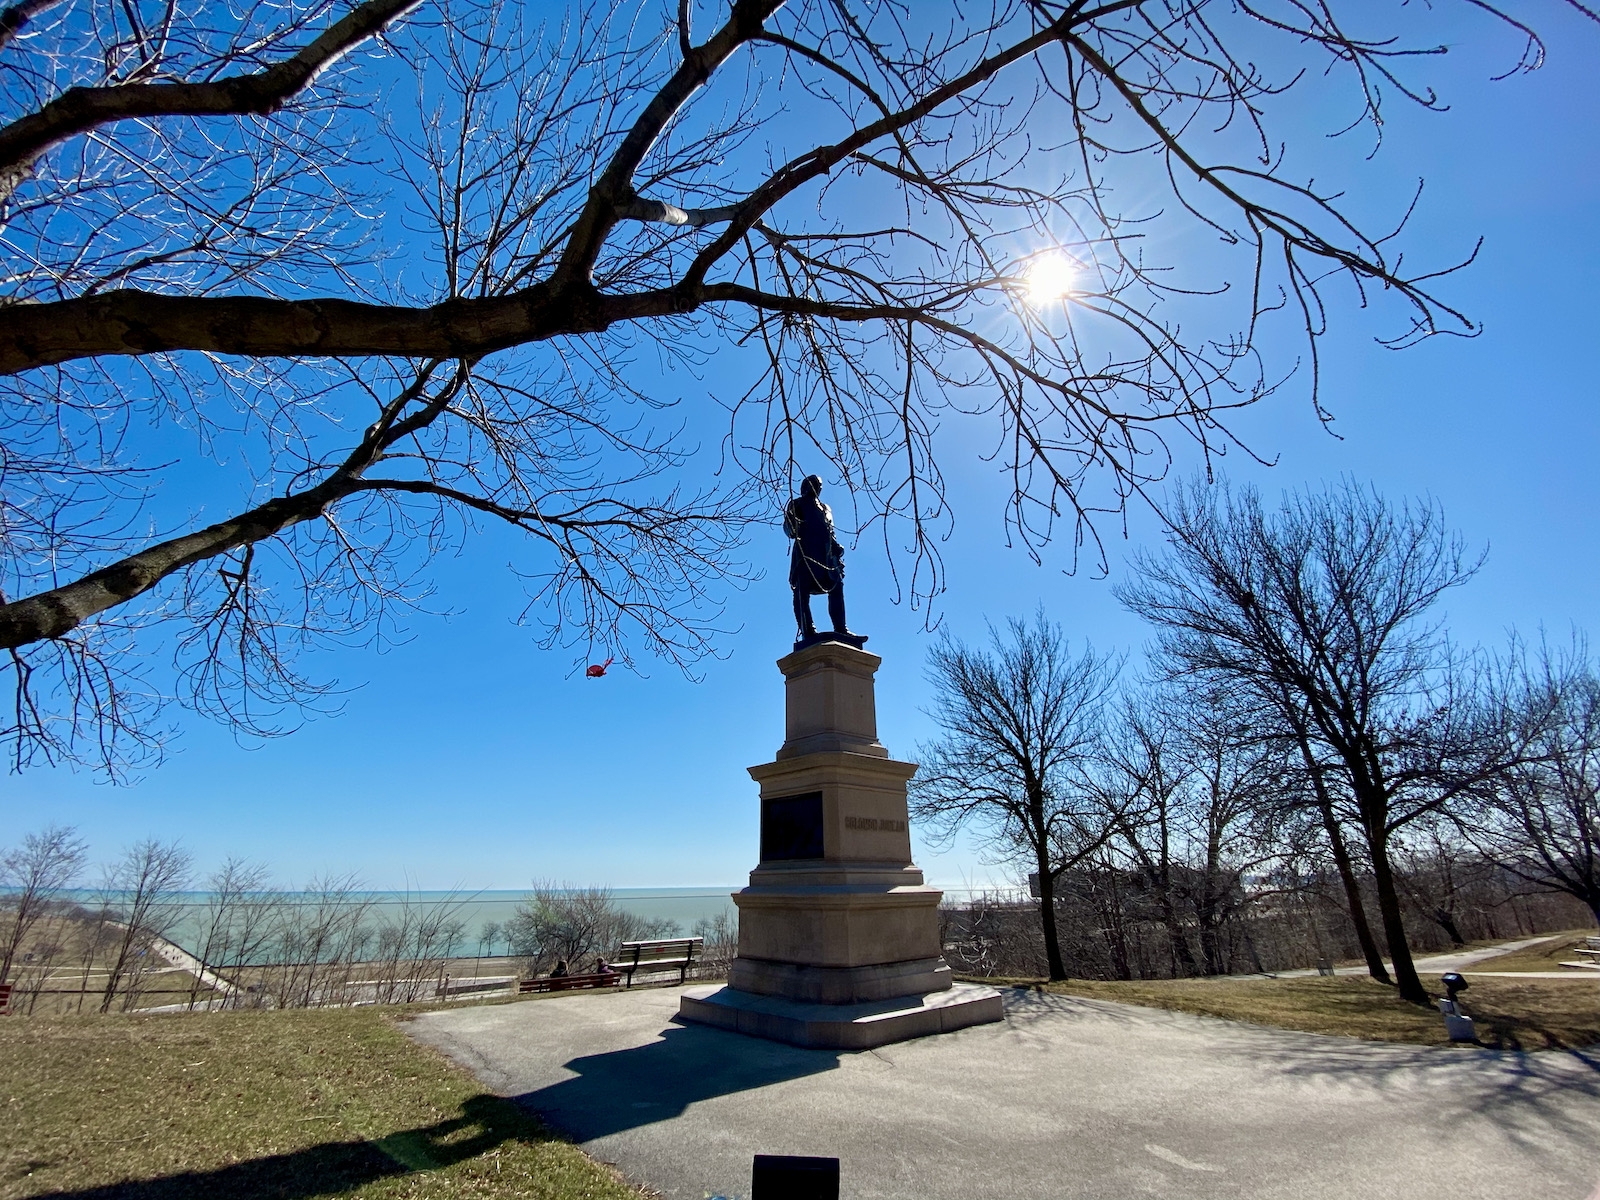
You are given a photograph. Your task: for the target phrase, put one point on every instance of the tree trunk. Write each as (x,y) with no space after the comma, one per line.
(1352,892)
(1447,922)
(1115,926)
(1341,860)
(1405,971)
(1211,942)
(1047,919)
(1180,942)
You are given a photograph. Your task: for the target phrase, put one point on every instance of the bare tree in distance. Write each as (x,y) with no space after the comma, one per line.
(1201,796)
(321,935)
(1439,871)
(557,922)
(407,268)
(1325,608)
(233,925)
(1542,820)
(1019,727)
(31,876)
(719,944)
(1143,772)
(488,936)
(142,888)
(414,943)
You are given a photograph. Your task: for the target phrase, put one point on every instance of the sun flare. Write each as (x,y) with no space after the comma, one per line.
(1051,277)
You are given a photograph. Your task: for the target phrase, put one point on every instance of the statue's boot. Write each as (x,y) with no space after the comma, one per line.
(802,614)
(836,609)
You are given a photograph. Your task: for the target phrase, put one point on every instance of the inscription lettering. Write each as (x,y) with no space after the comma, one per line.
(882,824)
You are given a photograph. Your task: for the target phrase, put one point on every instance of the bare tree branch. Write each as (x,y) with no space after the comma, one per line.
(16,16)
(82,109)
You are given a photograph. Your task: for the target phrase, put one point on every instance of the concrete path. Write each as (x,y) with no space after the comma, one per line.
(1067,1098)
(1428,964)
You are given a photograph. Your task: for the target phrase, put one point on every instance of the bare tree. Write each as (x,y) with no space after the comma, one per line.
(1440,873)
(413,945)
(248,233)
(322,934)
(33,978)
(1322,609)
(96,932)
(231,926)
(557,922)
(1542,821)
(31,876)
(719,938)
(488,936)
(1202,793)
(1318,785)
(1143,772)
(142,888)
(1019,728)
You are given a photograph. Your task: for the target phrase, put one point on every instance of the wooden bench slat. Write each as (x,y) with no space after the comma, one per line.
(659,954)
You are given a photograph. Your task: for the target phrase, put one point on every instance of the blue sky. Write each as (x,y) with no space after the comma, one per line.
(469,757)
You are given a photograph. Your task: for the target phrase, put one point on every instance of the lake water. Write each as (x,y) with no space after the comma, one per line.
(684,906)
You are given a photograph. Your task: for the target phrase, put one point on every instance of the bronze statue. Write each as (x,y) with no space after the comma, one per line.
(816,564)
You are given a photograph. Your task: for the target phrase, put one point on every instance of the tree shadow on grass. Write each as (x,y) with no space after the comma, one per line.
(332,1168)
(610,1092)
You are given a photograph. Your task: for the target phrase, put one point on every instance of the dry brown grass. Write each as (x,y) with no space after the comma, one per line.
(325,1102)
(1547,955)
(1512,1014)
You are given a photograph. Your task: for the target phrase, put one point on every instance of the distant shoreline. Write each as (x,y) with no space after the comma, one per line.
(476,910)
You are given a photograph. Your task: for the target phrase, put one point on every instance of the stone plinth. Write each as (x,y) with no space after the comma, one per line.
(842,1026)
(838,933)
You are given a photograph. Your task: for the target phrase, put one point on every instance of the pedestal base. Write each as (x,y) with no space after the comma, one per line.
(841,1026)
(839,985)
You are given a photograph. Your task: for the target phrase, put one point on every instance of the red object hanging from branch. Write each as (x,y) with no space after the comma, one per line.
(598,669)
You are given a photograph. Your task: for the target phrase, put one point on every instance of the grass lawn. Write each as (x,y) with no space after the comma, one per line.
(1512,1014)
(325,1102)
(1547,955)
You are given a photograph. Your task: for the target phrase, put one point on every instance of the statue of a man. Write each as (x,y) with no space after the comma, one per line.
(816,562)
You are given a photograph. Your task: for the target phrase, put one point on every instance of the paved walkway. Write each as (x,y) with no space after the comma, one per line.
(1428,964)
(1068,1098)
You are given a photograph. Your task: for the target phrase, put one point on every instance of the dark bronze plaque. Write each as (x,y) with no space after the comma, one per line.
(791,827)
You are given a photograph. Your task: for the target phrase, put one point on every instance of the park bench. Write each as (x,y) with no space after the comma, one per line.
(5,998)
(568,983)
(1589,949)
(663,955)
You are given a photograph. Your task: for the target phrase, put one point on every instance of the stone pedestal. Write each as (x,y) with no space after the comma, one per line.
(838,933)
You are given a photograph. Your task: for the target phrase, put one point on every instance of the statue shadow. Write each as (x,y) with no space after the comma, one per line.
(625,1089)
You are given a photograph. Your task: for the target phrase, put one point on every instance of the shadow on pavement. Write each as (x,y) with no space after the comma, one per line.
(1529,1097)
(334,1168)
(624,1089)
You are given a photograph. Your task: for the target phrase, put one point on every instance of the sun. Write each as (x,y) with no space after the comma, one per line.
(1051,277)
